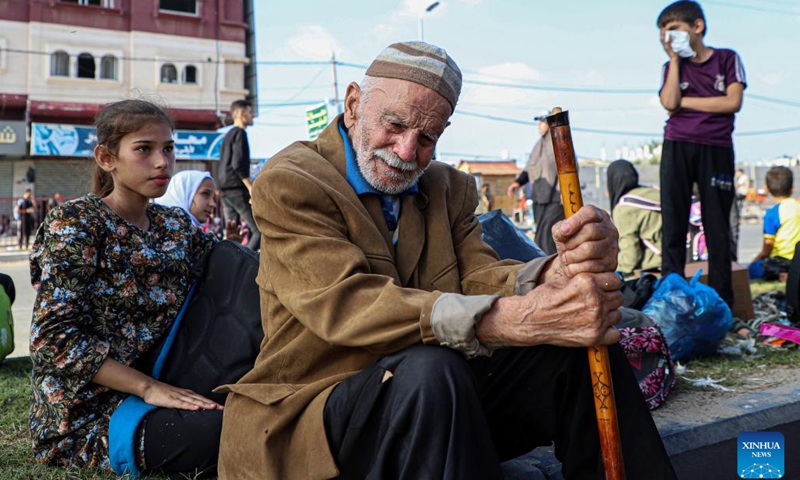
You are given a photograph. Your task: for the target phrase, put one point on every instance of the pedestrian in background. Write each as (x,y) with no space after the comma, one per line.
(24,213)
(702,90)
(742,185)
(542,174)
(234,171)
(486,203)
(781,228)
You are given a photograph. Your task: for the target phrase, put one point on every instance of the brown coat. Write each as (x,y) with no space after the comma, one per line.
(336,296)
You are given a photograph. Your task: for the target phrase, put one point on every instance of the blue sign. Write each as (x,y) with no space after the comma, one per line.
(55,140)
(197,145)
(760,455)
(62,140)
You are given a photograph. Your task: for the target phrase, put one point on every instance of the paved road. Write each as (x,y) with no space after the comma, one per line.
(750,245)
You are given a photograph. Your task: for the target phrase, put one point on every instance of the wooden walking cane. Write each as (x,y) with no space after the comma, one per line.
(599,365)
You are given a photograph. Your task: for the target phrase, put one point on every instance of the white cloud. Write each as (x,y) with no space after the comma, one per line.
(771,78)
(498,95)
(311,42)
(382,30)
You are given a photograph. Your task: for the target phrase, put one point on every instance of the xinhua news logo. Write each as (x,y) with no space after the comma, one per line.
(760,455)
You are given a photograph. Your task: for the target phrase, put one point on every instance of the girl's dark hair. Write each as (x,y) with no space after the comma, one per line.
(115,121)
(682,11)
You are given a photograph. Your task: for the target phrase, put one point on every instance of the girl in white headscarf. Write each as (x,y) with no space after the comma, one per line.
(193,191)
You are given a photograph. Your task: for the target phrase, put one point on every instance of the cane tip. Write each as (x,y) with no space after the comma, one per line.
(556,110)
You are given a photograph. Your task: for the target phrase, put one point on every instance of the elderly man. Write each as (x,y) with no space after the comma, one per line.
(385,313)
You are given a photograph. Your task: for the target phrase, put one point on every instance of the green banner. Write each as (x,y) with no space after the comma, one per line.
(316,120)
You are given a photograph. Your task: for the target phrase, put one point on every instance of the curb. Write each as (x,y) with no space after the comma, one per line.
(14,256)
(709,450)
(701,448)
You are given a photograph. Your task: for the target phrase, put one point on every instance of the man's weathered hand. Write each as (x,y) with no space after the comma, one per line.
(586,242)
(579,312)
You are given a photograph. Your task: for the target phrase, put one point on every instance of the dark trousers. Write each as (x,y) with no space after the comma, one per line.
(736,218)
(25,230)
(236,204)
(546,215)
(440,416)
(712,169)
(182,443)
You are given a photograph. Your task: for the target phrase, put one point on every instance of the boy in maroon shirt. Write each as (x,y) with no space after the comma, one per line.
(702,90)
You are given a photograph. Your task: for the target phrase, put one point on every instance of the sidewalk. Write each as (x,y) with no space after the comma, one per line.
(700,431)
(11,253)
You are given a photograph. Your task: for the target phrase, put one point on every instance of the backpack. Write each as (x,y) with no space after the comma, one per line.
(6,317)
(214,340)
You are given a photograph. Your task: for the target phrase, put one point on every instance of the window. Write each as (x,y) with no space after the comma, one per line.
(169,74)
(59,64)
(190,74)
(180,6)
(108,67)
(85,65)
(83,2)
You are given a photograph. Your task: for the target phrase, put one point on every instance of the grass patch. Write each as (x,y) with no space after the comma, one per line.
(735,370)
(16,456)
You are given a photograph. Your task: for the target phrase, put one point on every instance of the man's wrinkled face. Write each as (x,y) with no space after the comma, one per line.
(394,132)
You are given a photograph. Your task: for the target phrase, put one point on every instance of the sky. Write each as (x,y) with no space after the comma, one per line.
(600,60)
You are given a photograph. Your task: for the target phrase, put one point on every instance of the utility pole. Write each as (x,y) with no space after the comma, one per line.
(335,85)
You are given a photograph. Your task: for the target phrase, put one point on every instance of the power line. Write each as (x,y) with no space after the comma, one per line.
(777,101)
(617,91)
(621,132)
(574,129)
(767,132)
(173,60)
(749,7)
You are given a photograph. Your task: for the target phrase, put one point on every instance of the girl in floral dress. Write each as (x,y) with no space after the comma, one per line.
(112,270)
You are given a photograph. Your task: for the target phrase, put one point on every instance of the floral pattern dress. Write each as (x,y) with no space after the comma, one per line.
(106,289)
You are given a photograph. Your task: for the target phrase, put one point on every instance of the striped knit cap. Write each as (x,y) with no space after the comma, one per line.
(422,63)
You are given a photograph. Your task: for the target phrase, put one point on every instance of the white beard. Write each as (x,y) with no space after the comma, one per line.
(367,164)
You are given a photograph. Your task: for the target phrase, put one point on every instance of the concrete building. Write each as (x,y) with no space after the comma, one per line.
(61,60)
(498,174)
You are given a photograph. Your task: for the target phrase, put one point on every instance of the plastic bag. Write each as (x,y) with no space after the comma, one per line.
(693,317)
(506,239)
